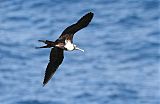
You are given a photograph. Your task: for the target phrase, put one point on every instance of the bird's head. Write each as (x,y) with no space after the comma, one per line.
(76,48)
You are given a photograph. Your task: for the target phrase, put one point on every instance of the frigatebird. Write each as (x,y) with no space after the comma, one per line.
(64,42)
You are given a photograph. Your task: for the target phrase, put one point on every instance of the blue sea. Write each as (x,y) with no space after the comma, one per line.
(120,64)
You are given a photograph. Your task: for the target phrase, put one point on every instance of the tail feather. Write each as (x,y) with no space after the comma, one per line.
(42,47)
(49,44)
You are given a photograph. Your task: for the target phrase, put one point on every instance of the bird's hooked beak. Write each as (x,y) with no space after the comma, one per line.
(76,48)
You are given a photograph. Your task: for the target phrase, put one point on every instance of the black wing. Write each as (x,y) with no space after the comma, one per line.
(56,58)
(83,22)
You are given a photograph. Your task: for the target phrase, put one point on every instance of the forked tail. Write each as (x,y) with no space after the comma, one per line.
(48,43)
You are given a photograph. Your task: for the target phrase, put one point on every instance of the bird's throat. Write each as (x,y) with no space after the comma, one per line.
(69,46)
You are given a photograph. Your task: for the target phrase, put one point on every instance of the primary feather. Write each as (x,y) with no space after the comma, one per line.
(56,58)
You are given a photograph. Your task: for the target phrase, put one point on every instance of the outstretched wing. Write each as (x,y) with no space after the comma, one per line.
(82,23)
(56,58)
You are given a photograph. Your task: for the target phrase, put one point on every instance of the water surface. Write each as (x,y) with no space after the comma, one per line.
(120,64)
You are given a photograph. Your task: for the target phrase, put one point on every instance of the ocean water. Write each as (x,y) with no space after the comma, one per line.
(120,64)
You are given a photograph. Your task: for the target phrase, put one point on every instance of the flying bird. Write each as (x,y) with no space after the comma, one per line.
(63,43)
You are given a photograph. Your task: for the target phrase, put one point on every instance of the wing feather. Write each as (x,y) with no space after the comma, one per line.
(82,23)
(56,58)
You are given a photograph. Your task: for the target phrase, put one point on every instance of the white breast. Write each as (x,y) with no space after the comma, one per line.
(68,45)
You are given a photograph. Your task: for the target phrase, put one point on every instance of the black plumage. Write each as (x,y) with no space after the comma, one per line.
(56,58)
(58,47)
(82,23)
